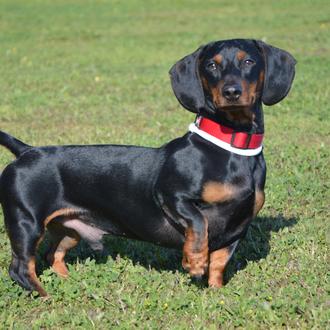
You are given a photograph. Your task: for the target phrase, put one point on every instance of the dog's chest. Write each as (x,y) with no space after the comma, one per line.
(228,208)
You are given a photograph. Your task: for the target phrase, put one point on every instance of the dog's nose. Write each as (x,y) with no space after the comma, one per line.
(232,92)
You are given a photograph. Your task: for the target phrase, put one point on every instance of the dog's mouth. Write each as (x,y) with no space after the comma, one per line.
(234,106)
(239,113)
(229,106)
(235,109)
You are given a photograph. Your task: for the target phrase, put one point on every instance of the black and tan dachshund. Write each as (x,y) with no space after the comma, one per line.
(198,192)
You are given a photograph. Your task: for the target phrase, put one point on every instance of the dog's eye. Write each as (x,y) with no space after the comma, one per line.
(211,66)
(248,62)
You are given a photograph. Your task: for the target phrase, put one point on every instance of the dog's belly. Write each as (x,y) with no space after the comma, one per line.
(158,230)
(87,232)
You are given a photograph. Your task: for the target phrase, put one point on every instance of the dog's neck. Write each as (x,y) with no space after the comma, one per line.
(241,120)
(238,142)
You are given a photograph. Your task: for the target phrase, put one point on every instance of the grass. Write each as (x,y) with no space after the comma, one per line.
(78,71)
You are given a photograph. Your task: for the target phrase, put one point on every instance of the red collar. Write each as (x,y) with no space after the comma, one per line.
(240,140)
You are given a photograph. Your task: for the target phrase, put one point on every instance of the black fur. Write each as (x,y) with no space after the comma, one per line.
(280,71)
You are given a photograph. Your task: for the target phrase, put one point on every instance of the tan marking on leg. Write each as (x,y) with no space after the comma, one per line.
(195,261)
(259,202)
(56,259)
(33,277)
(215,192)
(63,239)
(218,262)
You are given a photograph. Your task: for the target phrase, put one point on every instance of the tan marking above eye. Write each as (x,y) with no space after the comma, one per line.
(215,192)
(217,58)
(241,55)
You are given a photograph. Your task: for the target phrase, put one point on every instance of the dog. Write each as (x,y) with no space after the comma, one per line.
(197,193)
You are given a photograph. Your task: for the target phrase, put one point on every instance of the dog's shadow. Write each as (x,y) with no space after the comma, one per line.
(253,247)
(256,244)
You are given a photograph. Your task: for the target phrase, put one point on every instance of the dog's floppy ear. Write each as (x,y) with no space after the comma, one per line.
(280,71)
(186,83)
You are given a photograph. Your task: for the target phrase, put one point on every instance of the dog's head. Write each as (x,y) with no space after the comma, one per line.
(231,76)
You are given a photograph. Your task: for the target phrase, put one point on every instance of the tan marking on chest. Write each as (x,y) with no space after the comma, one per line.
(259,202)
(215,192)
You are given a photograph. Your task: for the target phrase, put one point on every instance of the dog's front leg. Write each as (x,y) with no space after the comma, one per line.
(195,249)
(218,262)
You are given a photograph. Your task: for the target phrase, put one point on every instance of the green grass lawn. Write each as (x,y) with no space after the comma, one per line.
(97,72)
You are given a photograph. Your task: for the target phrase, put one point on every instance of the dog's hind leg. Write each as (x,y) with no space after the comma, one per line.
(25,234)
(62,240)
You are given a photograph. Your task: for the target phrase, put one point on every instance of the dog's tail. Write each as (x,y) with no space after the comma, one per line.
(17,147)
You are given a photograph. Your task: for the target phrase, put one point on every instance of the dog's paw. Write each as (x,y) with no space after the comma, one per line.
(215,282)
(196,263)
